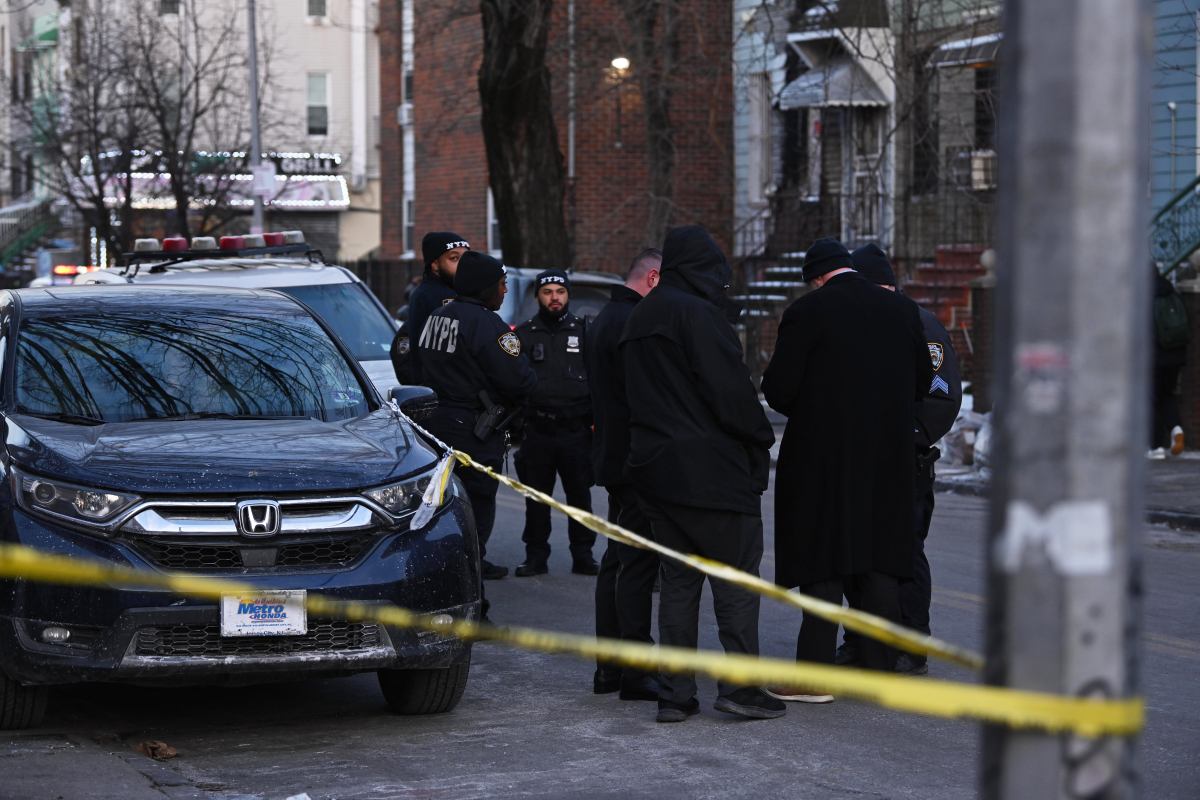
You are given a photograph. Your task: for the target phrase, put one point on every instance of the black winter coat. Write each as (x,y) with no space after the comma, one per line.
(556,350)
(698,435)
(850,365)
(606,378)
(430,295)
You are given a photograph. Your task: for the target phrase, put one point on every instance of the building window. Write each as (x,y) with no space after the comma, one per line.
(924,134)
(760,168)
(409,227)
(493,239)
(318,104)
(168,7)
(316,8)
(985,108)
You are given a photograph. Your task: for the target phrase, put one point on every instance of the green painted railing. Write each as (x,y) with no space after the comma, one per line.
(1175,230)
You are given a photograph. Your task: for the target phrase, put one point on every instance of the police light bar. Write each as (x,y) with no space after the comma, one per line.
(146,246)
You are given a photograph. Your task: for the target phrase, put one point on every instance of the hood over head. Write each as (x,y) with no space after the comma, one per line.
(693,262)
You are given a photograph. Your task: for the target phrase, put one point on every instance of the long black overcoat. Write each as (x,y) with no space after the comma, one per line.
(850,365)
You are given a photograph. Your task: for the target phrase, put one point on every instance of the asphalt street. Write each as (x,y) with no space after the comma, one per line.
(530,727)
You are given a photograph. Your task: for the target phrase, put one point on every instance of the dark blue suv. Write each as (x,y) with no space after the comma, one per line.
(215,432)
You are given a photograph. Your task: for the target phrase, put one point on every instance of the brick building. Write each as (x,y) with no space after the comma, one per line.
(431,125)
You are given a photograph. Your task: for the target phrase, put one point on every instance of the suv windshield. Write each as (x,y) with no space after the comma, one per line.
(133,365)
(353,315)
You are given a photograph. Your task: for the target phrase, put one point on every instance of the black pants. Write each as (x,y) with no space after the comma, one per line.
(726,536)
(568,455)
(916,593)
(625,585)
(1166,405)
(456,427)
(872,592)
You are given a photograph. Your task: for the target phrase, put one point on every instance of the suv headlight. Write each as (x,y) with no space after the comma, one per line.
(93,507)
(400,498)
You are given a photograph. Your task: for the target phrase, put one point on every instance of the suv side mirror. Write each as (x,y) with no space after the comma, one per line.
(418,402)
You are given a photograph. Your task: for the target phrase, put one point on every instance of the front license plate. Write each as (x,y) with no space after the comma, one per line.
(278,613)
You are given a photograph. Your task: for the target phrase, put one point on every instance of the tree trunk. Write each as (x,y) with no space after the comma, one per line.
(655,25)
(525,165)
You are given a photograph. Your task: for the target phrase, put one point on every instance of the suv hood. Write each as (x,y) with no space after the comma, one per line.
(202,457)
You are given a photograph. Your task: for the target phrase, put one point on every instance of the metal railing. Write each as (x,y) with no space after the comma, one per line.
(22,224)
(1175,229)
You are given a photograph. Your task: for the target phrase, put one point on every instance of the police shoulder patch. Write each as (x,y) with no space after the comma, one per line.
(936,355)
(510,343)
(403,345)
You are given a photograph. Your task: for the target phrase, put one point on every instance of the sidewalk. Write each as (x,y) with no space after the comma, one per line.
(1172,489)
(1172,486)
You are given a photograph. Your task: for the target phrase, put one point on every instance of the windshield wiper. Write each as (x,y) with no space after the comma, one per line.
(73,419)
(217,415)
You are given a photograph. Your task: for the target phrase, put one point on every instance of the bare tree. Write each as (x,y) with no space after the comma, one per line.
(525,164)
(190,77)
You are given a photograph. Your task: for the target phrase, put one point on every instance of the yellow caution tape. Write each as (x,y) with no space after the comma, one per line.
(1014,708)
(871,625)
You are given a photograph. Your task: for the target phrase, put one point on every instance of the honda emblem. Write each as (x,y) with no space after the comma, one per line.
(258,517)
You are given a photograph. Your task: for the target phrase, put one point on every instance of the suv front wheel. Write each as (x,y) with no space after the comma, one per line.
(425,691)
(20,706)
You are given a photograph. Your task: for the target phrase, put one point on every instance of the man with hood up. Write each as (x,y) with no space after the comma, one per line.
(442,251)
(699,457)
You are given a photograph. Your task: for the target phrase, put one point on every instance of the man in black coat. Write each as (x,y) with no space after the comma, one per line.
(442,251)
(558,425)
(850,366)
(935,416)
(466,350)
(626,580)
(699,455)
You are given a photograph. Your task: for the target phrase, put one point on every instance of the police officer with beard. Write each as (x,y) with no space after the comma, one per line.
(482,378)
(558,428)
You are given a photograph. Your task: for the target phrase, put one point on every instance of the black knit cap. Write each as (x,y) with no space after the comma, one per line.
(476,274)
(435,243)
(553,276)
(872,263)
(825,255)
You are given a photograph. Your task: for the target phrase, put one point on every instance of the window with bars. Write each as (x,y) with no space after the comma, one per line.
(316,8)
(166,7)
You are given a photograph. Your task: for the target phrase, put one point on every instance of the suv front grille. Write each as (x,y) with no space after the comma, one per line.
(310,553)
(193,641)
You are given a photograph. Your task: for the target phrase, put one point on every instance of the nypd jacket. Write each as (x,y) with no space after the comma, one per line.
(429,296)
(465,348)
(556,350)
(937,410)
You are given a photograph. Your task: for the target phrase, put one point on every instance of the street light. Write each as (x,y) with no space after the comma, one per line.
(620,66)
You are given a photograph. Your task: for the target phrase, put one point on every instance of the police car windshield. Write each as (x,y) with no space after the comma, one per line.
(122,366)
(354,316)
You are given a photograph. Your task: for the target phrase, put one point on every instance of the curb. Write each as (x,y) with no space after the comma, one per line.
(1179,520)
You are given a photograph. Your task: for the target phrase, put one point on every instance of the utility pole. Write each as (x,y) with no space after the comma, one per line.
(1072,305)
(259,186)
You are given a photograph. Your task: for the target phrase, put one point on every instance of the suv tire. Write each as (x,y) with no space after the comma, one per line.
(425,691)
(21,706)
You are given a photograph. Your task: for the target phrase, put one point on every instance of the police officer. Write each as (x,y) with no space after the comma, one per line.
(442,251)
(558,428)
(476,366)
(935,416)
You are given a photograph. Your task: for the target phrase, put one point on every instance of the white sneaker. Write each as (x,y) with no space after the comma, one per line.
(1157,454)
(797,694)
(1176,440)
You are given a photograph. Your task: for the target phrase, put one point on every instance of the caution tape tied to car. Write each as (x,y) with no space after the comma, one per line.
(871,625)
(1087,717)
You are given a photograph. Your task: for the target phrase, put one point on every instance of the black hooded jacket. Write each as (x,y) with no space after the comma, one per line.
(606,380)
(698,435)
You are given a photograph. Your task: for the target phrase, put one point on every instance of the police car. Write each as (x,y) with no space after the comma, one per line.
(281,261)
